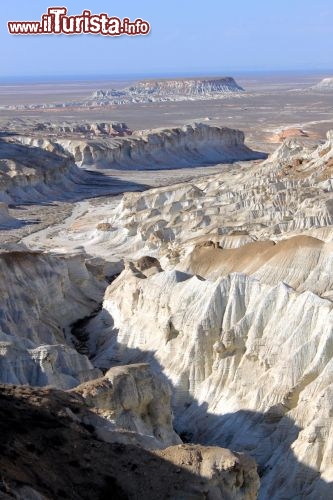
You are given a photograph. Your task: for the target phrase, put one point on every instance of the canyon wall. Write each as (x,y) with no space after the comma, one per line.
(237,313)
(190,145)
(35,170)
(42,296)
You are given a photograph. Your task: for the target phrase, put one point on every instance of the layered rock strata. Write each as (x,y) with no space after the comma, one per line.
(238,315)
(190,145)
(167,90)
(41,296)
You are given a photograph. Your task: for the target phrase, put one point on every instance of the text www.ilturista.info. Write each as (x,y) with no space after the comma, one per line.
(56,22)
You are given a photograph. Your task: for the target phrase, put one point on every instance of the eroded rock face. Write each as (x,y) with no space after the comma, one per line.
(190,145)
(45,430)
(178,147)
(134,403)
(227,291)
(240,316)
(212,340)
(167,90)
(112,129)
(41,296)
(229,475)
(36,173)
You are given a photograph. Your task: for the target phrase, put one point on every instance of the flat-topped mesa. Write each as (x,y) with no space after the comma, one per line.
(178,89)
(191,86)
(324,84)
(145,91)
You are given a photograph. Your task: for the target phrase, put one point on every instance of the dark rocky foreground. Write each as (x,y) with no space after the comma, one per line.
(47,452)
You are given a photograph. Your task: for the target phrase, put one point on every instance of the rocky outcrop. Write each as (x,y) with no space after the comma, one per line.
(211,338)
(36,173)
(229,475)
(239,314)
(41,297)
(49,450)
(286,195)
(112,129)
(132,406)
(39,168)
(286,133)
(167,90)
(191,86)
(190,145)
(179,147)
(147,91)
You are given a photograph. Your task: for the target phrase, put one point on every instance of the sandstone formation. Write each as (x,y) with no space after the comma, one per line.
(48,450)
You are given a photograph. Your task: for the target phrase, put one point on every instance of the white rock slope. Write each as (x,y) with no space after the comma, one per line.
(189,145)
(41,296)
(244,332)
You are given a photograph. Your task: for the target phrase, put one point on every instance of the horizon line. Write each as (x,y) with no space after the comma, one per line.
(166,74)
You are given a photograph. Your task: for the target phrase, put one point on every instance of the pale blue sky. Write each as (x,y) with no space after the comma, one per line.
(187,37)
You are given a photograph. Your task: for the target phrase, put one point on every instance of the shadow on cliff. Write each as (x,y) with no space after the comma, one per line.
(46,445)
(154,165)
(73,185)
(80,183)
(267,437)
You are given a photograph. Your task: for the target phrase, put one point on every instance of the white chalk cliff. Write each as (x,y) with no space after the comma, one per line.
(189,145)
(35,172)
(240,319)
(226,292)
(42,296)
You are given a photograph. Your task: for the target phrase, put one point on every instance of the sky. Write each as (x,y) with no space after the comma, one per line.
(187,37)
